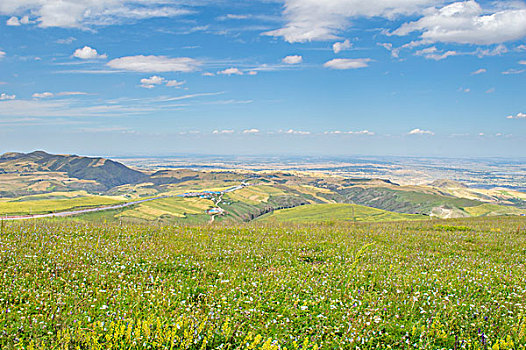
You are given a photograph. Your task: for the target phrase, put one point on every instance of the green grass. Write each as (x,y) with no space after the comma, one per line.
(73,285)
(38,205)
(174,207)
(402,201)
(335,212)
(493,210)
(160,211)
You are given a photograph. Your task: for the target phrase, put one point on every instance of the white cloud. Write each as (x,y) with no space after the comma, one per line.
(251,131)
(150,82)
(185,97)
(420,132)
(340,46)
(174,83)
(362,132)
(497,51)
(81,14)
(13,21)
(151,64)
(479,71)
(63,93)
(2,54)
(208,74)
(222,132)
(108,129)
(389,47)
(39,108)
(514,71)
(232,16)
(432,53)
(5,96)
(467,23)
(66,40)
(490,91)
(347,63)
(72,93)
(426,51)
(309,20)
(230,102)
(74,107)
(518,116)
(43,94)
(441,56)
(191,132)
(230,71)
(295,132)
(522,62)
(295,59)
(268,68)
(87,53)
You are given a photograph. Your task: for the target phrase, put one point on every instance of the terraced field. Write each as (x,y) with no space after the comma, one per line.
(191,210)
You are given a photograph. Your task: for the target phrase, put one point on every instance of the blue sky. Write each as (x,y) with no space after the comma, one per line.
(332,77)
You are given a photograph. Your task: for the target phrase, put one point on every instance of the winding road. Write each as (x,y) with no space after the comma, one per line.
(111,207)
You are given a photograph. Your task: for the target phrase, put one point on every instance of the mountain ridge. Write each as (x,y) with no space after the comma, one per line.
(106,172)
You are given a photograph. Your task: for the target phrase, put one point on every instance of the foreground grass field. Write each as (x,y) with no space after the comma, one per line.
(456,284)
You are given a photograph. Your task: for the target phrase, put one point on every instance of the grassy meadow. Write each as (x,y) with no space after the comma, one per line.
(54,202)
(320,213)
(455,284)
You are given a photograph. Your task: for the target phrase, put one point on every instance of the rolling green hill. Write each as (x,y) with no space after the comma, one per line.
(494,210)
(313,213)
(414,201)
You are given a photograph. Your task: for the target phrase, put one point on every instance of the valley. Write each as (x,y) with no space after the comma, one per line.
(39,183)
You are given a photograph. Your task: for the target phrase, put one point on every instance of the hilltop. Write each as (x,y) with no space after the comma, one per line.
(444,183)
(50,171)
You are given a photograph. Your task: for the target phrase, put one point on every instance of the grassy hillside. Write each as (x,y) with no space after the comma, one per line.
(335,212)
(494,210)
(54,202)
(400,200)
(452,284)
(174,209)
